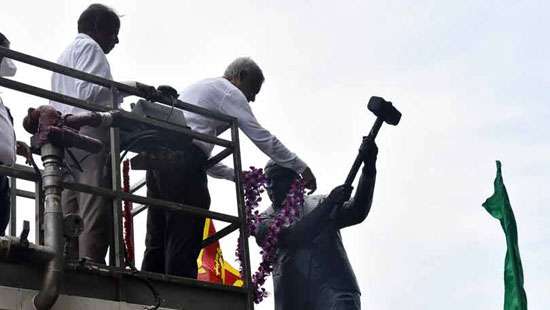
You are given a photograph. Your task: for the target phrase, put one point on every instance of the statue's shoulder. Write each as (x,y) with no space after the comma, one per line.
(267,213)
(314,199)
(311,202)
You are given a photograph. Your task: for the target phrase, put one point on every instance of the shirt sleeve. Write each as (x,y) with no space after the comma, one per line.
(261,137)
(221,171)
(90,59)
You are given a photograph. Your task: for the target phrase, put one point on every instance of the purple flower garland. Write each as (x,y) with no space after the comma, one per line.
(254,182)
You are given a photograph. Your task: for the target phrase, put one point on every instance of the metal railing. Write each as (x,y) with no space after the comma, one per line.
(231,147)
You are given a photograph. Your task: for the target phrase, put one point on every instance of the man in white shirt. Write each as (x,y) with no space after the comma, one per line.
(7,141)
(98,28)
(173,239)
(9,147)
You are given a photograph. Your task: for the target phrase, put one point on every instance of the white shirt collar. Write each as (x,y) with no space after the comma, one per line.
(84,36)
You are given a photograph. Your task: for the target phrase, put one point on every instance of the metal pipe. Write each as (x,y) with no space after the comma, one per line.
(25,194)
(154,202)
(25,173)
(38,214)
(138,209)
(134,188)
(124,116)
(242,214)
(13,207)
(218,157)
(13,249)
(44,64)
(220,234)
(44,93)
(53,226)
(116,250)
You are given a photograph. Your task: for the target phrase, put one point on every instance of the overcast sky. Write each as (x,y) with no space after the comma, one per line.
(470,77)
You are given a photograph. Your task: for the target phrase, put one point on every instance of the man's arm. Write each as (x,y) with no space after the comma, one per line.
(266,142)
(91,59)
(221,171)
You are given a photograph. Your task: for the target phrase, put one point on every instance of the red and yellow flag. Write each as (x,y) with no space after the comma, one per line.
(212,267)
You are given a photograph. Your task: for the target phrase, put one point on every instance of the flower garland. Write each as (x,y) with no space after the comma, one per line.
(127,214)
(254,182)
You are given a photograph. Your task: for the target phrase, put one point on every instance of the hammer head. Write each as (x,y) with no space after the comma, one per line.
(385,110)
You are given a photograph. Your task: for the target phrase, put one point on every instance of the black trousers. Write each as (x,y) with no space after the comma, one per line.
(4,204)
(172,241)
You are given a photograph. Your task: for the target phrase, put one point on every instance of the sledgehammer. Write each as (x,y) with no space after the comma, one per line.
(385,112)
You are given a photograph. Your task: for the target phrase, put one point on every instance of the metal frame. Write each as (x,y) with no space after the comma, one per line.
(117,257)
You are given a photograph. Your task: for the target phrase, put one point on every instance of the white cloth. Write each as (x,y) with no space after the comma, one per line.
(7,137)
(86,55)
(218,94)
(7,67)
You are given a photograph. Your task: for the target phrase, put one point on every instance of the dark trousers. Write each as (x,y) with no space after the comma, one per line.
(172,242)
(4,203)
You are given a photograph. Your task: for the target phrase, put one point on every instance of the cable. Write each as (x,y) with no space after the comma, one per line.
(174,100)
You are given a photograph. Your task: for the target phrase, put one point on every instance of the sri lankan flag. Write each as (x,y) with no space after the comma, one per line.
(212,267)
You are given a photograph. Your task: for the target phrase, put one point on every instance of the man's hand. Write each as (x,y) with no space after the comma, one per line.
(168,91)
(309,181)
(340,194)
(368,151)
(147,91)
(24,150)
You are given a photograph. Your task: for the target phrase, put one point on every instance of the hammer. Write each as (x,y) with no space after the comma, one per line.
(385,112)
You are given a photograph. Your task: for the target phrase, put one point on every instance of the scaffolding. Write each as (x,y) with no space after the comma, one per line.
(114,281)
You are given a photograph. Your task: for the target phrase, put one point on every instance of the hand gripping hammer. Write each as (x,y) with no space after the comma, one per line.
(385,112)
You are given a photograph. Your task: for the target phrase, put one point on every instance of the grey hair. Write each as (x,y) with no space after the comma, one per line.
(243,64)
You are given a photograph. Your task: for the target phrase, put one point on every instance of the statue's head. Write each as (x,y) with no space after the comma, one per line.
(279,182)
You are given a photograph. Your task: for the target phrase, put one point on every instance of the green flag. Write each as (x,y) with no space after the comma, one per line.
(499,207)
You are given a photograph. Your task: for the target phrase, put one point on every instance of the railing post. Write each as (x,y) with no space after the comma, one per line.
(116,256)
(240,205)
(13,207)
(38,214)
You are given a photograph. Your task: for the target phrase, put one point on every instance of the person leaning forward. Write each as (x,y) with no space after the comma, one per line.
(98,28)
(173,239)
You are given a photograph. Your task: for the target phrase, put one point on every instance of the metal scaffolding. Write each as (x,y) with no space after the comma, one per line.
(230,147)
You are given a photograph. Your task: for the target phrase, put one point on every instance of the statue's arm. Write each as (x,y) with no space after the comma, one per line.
(356,210)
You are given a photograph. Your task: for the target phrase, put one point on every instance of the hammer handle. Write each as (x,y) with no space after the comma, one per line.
(358,160)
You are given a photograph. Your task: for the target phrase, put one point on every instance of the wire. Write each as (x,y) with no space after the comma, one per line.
(174,100)
(154,291)
(135,140)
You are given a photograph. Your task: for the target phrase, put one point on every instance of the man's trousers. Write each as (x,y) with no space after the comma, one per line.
(173,239)
(4,203)
(96,211)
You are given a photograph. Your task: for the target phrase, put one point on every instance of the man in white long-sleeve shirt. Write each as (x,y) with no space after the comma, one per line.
(9,147)
(173,240)
(98,28)
(7,140)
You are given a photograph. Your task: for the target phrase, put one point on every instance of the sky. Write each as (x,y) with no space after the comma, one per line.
(470,78)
